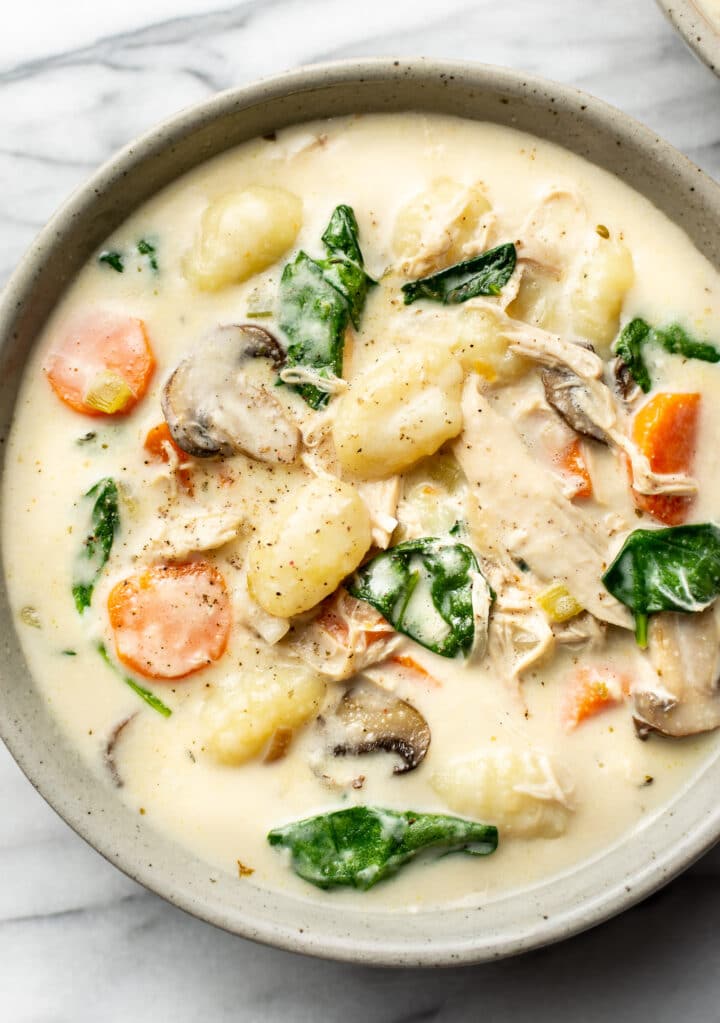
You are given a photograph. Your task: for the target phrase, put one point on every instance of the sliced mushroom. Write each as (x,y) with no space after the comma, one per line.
(215,405)
(111,748)
(583,407)
(368,719)
(625,384)
(685,652)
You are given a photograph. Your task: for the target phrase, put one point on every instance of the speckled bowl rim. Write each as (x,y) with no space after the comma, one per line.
(665,843)
(696,29)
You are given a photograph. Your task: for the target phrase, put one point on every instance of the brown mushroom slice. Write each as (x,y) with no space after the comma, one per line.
(684,650)
(368,719)
(216,402)
(111,749)
(581,406)
(625,384)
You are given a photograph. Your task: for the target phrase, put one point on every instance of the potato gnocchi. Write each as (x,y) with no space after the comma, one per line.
(350,538)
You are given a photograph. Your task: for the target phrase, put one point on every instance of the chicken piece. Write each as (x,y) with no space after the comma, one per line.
(685,652)
(575,389)
(187,534)
(345,637)
(523,509)
(381,498)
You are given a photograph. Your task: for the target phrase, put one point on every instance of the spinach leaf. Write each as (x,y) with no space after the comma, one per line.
(150,698)
(628,347)
(319,297)
(146,248)
(674,339)
(486,274)
(314,316)
(424,589)
(105,521)
(112,259)
(362,845)
(674,569)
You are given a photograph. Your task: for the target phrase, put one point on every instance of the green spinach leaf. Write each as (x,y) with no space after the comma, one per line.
(424,589)
(362,845)
(674,569)
(113,259)
(104,523)
(674,339)
(146,248)
(486,274)
(150,698)
(319,297)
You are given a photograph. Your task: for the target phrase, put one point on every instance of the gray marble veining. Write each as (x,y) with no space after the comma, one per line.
(79,941)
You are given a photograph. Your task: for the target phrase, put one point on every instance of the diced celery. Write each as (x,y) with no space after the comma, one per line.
(109,393)
(558,603)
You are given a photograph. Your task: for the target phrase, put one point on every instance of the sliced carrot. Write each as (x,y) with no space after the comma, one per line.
(665,431)
(590,691)
(102,365)
(171,620)
(571,462)
(410,664)
(160,445)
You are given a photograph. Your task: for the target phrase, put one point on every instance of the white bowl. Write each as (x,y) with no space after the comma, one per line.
(696,28)
(662,844)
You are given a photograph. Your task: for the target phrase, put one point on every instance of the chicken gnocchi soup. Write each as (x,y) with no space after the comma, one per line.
(361,508)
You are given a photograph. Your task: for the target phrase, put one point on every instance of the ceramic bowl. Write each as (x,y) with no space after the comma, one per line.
(695,26)
(650,855)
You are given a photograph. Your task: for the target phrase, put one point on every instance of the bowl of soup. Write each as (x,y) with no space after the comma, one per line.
(698,22)
(359,500)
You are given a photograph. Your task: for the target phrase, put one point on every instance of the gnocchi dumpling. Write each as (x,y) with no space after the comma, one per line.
(318,536)
(398,410)
(241,234)
(238,723)
(516,790)
(604,278)
(481,348)
(434,228)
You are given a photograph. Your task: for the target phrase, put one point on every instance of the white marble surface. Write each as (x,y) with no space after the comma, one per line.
(78,941)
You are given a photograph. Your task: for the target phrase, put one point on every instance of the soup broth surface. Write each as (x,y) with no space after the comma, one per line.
(505,747)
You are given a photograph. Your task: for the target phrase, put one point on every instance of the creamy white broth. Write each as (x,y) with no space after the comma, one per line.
(374,164)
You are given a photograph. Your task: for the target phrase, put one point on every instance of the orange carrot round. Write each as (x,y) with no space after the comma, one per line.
(102,365)
(171,620)
(665,430)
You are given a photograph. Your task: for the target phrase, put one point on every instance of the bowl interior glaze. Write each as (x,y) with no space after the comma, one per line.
(662,845)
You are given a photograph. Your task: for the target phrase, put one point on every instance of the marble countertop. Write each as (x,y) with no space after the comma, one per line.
(79,941)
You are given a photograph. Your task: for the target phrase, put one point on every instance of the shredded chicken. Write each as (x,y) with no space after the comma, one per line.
(203,531)
(519,635)
(347,636)
(523,509)
(381,498)
(581,630)
(597,403)
(552,350)
(329,384)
